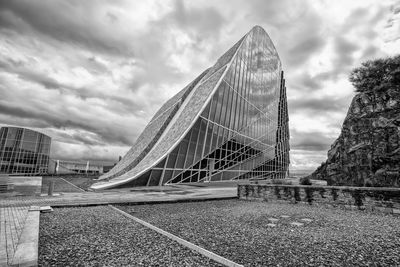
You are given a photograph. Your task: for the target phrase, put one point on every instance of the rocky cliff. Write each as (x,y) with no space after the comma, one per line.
(367,152)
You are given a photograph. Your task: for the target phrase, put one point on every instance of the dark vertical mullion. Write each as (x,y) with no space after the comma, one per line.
(235,98)
(217,115)
(38,151)
(193,139)
(223,113)
(198,143)
(177,157)
(234,83)
(19,151)
(150,177)
(221,98)
(248,87)
(240,100)
(232,89)
(207,137)
(215,142)
(210,130)
(187,150)
(173,168)
(204,140)
(231,85)
(3,139)
(163,170)
(214,106)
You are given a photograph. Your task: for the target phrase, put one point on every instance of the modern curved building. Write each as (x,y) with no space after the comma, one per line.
(230,123)
(23,151)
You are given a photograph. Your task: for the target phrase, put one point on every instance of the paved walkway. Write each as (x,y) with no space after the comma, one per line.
(12,221)
(121,196)
(14,210)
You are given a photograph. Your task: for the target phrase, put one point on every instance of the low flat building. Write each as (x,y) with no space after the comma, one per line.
(70,167)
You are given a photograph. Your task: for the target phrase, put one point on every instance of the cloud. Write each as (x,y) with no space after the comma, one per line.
(94,72)
(106,135)
(344,50)
(319,105)
(75,22)
(206,21)
(303,50)
(310,141)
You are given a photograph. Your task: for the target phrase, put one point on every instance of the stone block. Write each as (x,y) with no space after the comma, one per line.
(388,210)
(46,209)
(381,209)
(297,224)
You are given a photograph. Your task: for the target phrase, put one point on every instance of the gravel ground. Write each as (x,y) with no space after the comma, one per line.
(59,185)
(238,230)
(99,236)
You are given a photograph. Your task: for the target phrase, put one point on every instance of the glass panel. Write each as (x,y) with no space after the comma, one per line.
(154,178)
(172,158)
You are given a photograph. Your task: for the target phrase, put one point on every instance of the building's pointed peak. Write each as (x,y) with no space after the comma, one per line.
(257,30)
(258,27)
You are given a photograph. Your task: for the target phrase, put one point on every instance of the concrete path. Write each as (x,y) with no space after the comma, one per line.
(14,210)
(114,196)
(12,220)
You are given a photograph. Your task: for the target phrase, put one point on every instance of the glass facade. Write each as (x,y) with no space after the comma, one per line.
(241,132)
(23,151)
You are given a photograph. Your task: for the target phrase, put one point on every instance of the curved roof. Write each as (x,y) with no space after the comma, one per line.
(174,119)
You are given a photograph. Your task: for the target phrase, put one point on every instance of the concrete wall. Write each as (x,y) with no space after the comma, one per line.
(26,185)
(364,198)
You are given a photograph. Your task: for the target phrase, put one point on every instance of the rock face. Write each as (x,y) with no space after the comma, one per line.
(367,152)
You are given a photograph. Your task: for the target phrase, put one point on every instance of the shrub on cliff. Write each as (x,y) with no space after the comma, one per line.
(378,74)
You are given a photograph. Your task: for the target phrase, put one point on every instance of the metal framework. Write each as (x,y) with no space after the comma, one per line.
(231,123)
(23,151)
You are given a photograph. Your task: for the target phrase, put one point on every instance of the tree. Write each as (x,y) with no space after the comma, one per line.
(378,74)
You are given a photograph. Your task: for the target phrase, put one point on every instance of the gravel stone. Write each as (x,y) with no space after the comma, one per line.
(100,236)
(296,224)
(238,230)
(274,220)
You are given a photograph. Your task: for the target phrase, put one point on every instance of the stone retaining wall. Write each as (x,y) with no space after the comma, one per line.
(363,198)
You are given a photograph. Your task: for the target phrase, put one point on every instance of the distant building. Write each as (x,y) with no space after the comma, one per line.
(230,123)
(23,151)
(70,167)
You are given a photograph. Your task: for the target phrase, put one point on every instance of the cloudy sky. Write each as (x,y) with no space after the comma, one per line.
(92,73)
